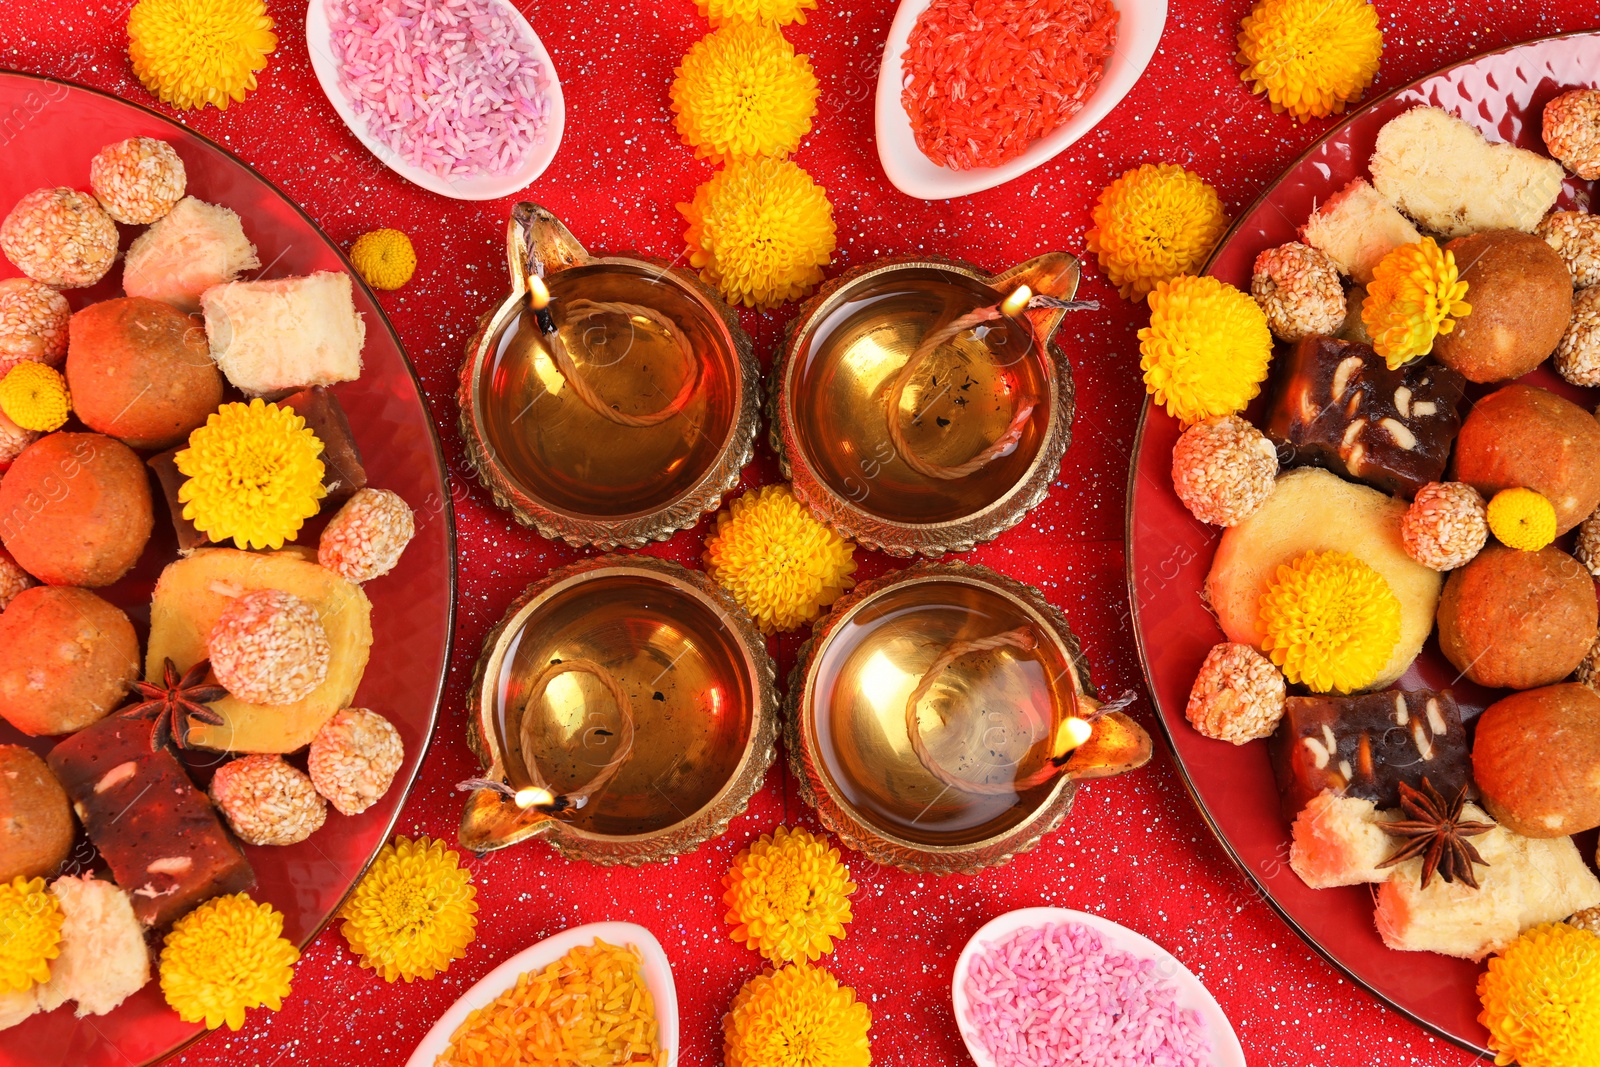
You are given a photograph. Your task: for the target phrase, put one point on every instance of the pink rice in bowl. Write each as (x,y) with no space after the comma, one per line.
(453,87)
(1055,995)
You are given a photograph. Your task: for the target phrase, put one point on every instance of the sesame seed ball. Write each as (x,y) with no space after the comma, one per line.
(33,323)
(1588,919)
(1238,695)
(1576,238)
(13,440)
(13,580)
(1445,526)
(138,180)
(354,758)
(1578,354)
(1223,470)
(267,802)
(1572,131)
(1298,287)
(1587,546)
(366,538)
(269,647)
(60,237)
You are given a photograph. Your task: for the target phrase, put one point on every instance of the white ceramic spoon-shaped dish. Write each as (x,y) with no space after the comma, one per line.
(1225,1048)
(657,973)
(1139,29)
(319,43)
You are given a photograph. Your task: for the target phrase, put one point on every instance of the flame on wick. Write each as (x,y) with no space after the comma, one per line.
(538,293)
(534,797)
(1017,302)
(1072,734)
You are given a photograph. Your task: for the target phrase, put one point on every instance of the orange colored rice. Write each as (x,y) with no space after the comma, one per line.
(984,79)
(590,1008)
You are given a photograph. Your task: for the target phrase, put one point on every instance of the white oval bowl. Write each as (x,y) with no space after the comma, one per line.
(1138,32)
(656,971)
(319,43)
(1225,1048)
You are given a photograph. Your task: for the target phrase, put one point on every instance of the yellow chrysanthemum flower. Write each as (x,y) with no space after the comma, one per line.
(788,896)
(253,475)
(1153,224)
(1330,621)
(1311,57)
(780,563)
(190,53)
(1206,350)
(760,231)
(1522,519)
(35,397)
(30,933)
(414,912)
(777,12)
(1541,999)
(798,1016)
(226,956)
(742,91)
(1416,294)
(384,258)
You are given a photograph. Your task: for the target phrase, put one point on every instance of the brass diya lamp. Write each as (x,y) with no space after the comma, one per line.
(921,405)
(940,719)
(625,708)
(607,400)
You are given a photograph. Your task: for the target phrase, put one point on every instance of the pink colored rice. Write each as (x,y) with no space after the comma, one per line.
(452,86)
(1051,996)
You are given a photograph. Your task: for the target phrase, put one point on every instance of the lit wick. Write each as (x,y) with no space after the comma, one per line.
(539,300)
(1017,302)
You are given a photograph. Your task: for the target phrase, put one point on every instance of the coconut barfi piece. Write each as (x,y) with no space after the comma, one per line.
(103,957)
(194,246)
(1356,228)
(159,834)
(289,333)
(1444,174)
(1341,841)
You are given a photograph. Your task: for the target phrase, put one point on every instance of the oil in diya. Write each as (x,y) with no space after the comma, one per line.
(922,406)
(940,719)
(607,400)
(625,708)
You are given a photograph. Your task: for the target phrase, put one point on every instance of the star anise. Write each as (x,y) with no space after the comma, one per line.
(169,705)
(1437,834)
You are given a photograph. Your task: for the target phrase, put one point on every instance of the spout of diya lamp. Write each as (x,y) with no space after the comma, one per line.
(1102,741)
(497,815)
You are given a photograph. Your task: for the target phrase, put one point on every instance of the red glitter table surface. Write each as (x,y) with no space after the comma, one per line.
(1134,850)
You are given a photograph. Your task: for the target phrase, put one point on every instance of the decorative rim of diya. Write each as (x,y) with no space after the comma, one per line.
(491,818)
(1121,746)
(535,235)
(1053,275)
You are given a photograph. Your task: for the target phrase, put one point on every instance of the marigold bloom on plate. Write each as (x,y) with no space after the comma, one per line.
(1541,998)
(226,956)
(742,91)
(35,397)
(253,475)
(190,53)
(1522,519)
(30,933)
(1311,57)
(1330,621)
(760,231)
(1206,350)
(414,912)
(1153,224)
(798,1016)
(1416,294)
(778,12)
(779,562)
(788,895)
(385,259)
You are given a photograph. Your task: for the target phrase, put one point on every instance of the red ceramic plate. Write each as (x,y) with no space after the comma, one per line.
(1169,552)
(50,132)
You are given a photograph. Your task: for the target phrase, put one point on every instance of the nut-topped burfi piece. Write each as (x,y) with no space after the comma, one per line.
(159,834)
(1365,746)
(1336,404)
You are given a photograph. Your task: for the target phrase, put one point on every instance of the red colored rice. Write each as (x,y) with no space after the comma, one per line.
(984,79)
